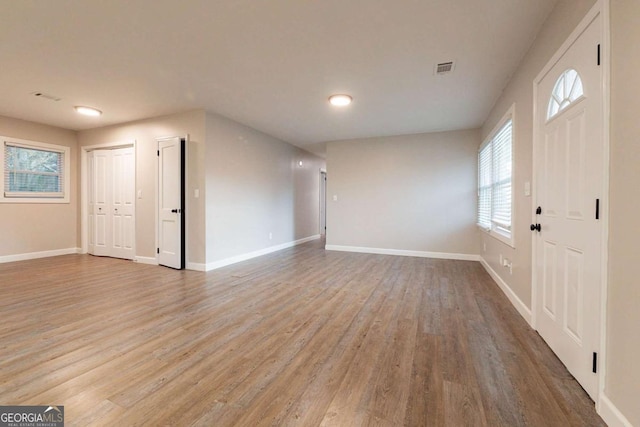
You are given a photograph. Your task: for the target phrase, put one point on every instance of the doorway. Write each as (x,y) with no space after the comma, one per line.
(570,190)
(323,203)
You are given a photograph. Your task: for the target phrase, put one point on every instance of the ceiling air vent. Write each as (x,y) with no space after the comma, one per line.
(444,68)
(46,96)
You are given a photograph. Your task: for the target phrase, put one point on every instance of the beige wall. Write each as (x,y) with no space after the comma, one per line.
(145,133)
(255,187)
(413,192)
(31,227)
(623,370)
(563,19)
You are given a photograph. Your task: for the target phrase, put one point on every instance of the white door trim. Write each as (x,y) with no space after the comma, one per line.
(600,8)
(84,193)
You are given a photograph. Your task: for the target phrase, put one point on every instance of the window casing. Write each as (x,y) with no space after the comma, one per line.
(495,179)
(34,172)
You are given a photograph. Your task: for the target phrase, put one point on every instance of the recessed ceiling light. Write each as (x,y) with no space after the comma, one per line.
(88,111)
(340,100)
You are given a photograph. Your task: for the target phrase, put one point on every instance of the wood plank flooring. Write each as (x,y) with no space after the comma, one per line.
(301,337)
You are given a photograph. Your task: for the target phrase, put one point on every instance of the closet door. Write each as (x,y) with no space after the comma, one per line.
(112,203)
(102,202)
(122,203)
(91,235)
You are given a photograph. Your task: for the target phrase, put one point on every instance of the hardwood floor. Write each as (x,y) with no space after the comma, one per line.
(301,337)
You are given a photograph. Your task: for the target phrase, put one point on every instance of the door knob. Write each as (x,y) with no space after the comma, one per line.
(175,210)
(536,227)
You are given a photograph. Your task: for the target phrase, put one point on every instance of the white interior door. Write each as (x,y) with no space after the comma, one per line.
(112,202)
(569,183)
(122,203)
(171,203)
(91,235)
(101,184)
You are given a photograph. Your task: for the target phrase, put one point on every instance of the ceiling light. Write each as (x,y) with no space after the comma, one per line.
(88,111)
(340,100)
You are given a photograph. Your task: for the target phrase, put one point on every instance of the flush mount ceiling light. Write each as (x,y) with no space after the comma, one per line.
(88,111)
(340,100)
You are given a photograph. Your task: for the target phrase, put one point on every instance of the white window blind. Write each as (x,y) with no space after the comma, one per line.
(484,187)
(33,172)
(494,181)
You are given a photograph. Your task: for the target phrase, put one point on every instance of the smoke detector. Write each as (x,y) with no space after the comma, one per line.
(444,68)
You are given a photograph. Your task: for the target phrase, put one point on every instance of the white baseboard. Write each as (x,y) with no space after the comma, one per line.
(517,302)
(402,252)
(36,255)
(146,260)
(610,414)
(239,258)
(196,266)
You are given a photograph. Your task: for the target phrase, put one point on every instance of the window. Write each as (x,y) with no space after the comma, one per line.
(495,170)
(34,172)
(567,90)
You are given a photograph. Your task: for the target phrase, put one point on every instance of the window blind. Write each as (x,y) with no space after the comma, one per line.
(494,181)
(484,187)
(32,172)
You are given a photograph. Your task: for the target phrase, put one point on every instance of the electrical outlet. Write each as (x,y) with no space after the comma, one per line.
(270,236)
(506,263)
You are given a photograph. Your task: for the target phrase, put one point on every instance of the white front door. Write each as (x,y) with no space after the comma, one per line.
(569,152)
(170,203)
(111,202)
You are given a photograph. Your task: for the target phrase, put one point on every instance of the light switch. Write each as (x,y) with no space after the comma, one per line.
(139,194)
(527,188)
(196,193)
(335,197)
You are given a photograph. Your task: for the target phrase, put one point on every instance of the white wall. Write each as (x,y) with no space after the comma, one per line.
(145,133)
(30,227)
(255,187)
(623,330)
(409,193)
(563,19)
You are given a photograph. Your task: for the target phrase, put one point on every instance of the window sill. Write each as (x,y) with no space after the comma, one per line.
(31,200)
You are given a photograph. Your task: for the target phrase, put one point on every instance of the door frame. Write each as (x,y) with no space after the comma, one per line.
(185,199)
(84,192)
(323,202)
(600,8)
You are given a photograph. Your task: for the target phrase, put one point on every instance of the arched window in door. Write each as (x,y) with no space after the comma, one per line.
(567,90)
